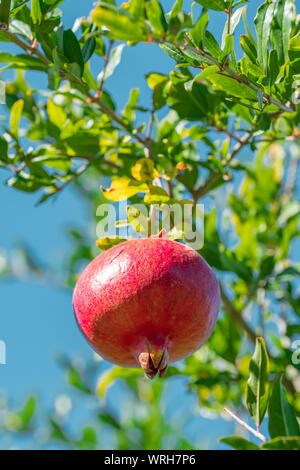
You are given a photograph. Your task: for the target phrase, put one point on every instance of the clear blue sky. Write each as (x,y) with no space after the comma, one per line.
(36,320)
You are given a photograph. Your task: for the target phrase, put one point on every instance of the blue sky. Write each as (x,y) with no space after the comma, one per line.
(36,320)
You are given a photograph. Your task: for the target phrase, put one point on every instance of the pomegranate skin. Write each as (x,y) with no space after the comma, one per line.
(146,295)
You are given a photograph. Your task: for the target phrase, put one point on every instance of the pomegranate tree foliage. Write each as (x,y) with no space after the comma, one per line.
(223,130)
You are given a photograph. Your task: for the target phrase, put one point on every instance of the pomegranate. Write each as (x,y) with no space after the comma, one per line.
(147,302)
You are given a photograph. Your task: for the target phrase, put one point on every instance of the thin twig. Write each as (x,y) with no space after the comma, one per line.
(237,316)
(203,189)
(245,425)
(229,20)
(83,86)
(106,59)
(241,79)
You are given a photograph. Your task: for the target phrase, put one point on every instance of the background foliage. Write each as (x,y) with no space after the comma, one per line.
(223,124)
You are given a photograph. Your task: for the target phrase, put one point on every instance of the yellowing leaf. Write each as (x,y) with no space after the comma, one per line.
(156,195)
(122,26)
(56,114)
(144,170)
(123,188)
(15,116)
(181,166)
(154,79)
(106,243)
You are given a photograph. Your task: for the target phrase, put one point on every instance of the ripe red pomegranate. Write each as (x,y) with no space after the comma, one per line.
(147,302)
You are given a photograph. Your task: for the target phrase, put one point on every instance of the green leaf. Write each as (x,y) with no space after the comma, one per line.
(294,47)
(273,67)
(54,161)
(249,48)
(263,22)
(211,45)
(122,26)
(88,440)
(88,49)
(117,372)
(20,421)
(228,48)
(19,27)
(4,11)
(157,82)
(239,443)
(3,150)
(107,418)
(74,378)
(177,8)
(217,5)
(282,419)
(36,12)
(234,21)
(57,432)
(114,60)
(257,387)
(72,50)
(206,72)
(156,17)
(293,329)
(83,143)
(22,61)
(173,52)
(197,32)
(15,116)
(231,86)
(156,195)
(136,8)
(26,414)
(18,8)
(281,29)
(128,112)
(282,443)
(189,105)
(25,182)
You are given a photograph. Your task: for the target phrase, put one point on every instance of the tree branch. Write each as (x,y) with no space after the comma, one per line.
(241,79)
(202,190)
(83,86)
(238,319)
(245,425)
(237,316)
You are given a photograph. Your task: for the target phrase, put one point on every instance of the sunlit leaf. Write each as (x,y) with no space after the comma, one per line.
(282,443)
(106,243)
(263,21)
(282,419)
(239,443)
(15,116)
(121,25)
(144,170)
(123,188)
(257,388)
